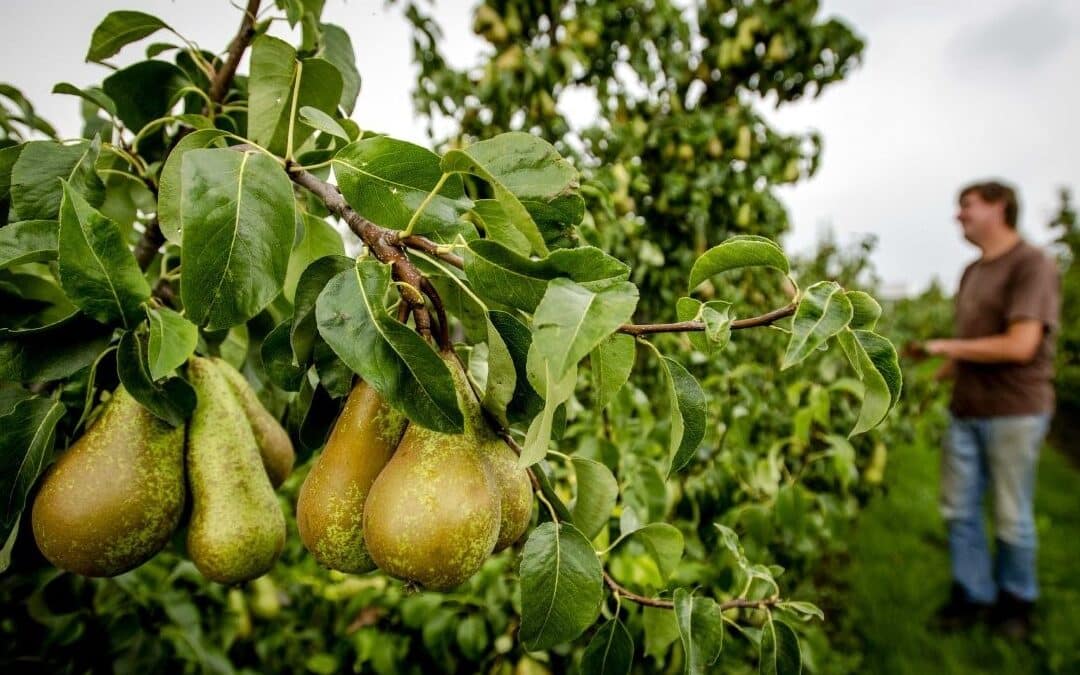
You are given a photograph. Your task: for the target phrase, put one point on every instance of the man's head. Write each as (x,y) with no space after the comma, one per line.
(987,210)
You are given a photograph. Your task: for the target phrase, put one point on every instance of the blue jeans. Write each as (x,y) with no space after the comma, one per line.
(999,453)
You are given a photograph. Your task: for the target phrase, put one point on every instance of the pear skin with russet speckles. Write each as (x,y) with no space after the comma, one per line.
(114,498)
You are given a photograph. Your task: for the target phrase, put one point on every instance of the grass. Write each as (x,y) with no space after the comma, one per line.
(899,574)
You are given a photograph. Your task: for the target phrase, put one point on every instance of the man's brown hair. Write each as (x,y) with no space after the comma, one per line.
(995,192)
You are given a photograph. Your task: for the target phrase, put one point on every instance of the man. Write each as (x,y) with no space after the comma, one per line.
(1002,360)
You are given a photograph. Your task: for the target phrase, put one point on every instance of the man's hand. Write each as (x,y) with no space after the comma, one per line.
(1019,344)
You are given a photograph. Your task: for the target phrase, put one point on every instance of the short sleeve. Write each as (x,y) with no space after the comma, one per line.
(1034,292)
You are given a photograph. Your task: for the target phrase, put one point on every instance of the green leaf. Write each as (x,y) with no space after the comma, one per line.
(597,491)
(500,275)
(25,446)
(866,310)
(502,373)
(238,221)
(571,320)
(555,392)
(874,360)
(169,189)
(54,352)
(661,629)
(390,356)
(736,253)
(611,363)
(561,586)
(824,310)
(386,180)
(806,609)
(688,413)
(172,340)
(320,239)
(274,69)
(96,268)
(172,400)
(312,281)
(610,652)
(701,629)
(277,358)
(92,94)
(664,544)
(498,227)
(519,167)
(715,314)
(320,121)
(8,156)
(119,29)
(144,91)
(35,190)
(337,48)
(28,241)
(780,653)
(526,402)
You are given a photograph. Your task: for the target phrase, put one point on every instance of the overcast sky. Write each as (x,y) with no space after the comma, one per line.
(948,93)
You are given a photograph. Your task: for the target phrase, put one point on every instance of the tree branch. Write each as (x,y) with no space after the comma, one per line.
(223,78)
(691,326)
(668,604)
(429,247)
(379,240)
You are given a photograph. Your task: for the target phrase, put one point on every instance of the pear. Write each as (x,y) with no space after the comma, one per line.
(330,509)
(275,447)
(514,489)
(114,498)
(237,529)
(433,514)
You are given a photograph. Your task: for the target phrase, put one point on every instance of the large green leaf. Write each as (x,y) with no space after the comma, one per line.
(386,180)
(874,360)
(736,253)
(561,586)
(688,413)
(319,240)
(35,189)
(25,446)
(54,352)
(492,217)
(824,310)
(501,275)
(555,392)
(526,402)
(611,363)
(572,320)
(661,629)
(277,357)
(144,91)
(610,652)
(121,28)
(780,653)
(169,190)
(390,356)
(701,629)
(92,95)
(8,157)
(271,104)
(337,48)
(28,241)
(172,400)
(238,220)
(663,543)
(520,168)
(597,490)
(96,268)
(172,340)
(867,311)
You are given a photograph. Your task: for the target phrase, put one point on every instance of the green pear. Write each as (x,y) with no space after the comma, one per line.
(114,498)
(433,514)
(514,489)
(237,529)
(275,447)
(330,509)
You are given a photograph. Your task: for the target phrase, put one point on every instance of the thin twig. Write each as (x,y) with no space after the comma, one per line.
(691,326)
(425,245)
(668,604)
(223,78)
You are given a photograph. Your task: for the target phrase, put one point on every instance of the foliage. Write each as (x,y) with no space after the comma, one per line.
(196,218)
(1068,356)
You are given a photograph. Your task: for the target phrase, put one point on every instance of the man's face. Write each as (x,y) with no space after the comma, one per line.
(979,217)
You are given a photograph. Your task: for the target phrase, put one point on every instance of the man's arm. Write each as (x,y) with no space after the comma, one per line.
(1019,344)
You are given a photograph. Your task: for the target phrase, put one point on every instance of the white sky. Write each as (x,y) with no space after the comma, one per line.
(948,93)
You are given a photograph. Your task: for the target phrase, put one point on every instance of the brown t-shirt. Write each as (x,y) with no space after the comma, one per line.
(1023,283)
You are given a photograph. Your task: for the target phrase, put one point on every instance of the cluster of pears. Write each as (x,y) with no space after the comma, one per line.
(423,506)
(117,495)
